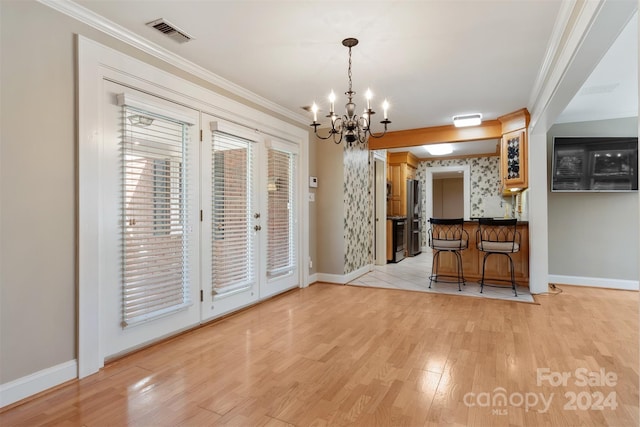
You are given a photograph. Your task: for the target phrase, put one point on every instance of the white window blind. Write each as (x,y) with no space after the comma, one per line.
(155,195)
(281,215)
(232,208)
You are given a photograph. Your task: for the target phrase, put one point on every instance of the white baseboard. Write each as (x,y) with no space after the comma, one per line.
(629,285)
(313,278)
(344,278)
(37,382)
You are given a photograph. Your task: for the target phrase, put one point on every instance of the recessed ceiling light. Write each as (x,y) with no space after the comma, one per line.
(467,120)
(439,149)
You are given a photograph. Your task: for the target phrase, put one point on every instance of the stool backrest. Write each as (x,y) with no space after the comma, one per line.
(446,228)
(497,230)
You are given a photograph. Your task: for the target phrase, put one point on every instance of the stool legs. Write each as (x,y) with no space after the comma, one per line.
(459,271)
(511,268)
(434,267)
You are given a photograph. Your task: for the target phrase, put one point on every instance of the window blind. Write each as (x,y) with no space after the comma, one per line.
(281,215)
(154,243)
(232,208)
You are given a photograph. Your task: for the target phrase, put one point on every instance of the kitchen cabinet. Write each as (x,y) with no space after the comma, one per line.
(397,191)
(513,160)
(401,167)
(513,151)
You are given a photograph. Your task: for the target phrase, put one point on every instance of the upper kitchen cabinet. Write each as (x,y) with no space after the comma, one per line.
(513,150)
(401,166)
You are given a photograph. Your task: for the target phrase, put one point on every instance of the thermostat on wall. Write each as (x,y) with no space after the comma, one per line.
(313,181)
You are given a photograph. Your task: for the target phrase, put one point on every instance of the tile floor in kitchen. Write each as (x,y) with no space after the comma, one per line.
(412,273)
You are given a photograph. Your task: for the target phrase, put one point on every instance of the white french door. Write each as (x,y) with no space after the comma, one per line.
(282,228)
(149,274)
(231,217)
(249,222)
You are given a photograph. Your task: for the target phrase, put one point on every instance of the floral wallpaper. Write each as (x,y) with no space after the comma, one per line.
(486,198)
(358,207)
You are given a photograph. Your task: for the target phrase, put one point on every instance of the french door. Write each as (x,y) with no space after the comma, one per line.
(249,219)
(199,218)
(149,272)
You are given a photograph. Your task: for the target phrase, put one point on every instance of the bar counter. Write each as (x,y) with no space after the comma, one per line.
(497,266)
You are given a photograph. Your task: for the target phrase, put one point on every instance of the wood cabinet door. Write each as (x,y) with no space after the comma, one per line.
(394,201)
(513,159)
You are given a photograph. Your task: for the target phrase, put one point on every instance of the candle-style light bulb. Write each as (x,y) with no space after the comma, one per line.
(368,95)
(385,108)
(332,99)
(314,109)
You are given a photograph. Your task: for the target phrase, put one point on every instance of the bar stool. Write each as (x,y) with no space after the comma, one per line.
(498,237)
(447,235)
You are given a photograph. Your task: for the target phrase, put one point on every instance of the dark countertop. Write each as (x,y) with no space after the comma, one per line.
(475,220)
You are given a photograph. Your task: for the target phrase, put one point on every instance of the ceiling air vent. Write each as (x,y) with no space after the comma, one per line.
(170,30)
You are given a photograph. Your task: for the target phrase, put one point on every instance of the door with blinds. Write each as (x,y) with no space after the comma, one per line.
(150,281)
(249,227)
(282,217)
(194,224)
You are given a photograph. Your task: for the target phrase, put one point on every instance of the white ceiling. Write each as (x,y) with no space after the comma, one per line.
(611,91)
(430,59)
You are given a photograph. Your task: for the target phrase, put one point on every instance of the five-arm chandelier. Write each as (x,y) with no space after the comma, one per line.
(350,126)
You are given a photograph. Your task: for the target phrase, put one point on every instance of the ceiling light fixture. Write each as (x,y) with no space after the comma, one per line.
(467,120)
(439,149)
(350,127)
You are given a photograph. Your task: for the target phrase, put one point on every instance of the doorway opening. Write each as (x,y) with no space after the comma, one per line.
(453,173)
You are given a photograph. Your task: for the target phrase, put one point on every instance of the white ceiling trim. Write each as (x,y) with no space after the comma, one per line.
(561,53)
(100,23)
(591,20)
(555,42)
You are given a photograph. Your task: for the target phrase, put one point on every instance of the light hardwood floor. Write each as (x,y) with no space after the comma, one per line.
(345,355)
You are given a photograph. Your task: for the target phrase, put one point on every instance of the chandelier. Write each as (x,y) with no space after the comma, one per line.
(350,126)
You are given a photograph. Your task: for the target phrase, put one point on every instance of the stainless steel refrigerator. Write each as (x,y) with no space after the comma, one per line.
(414,217)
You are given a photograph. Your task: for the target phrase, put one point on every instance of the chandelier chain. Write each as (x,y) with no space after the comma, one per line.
(350,83)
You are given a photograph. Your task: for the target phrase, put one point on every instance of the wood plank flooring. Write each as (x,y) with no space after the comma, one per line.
(344,355)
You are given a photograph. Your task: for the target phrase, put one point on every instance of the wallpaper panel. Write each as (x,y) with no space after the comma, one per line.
(358,207)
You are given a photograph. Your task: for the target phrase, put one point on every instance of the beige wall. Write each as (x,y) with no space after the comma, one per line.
(38,277)
(593,234)
(38,183)
(330,206)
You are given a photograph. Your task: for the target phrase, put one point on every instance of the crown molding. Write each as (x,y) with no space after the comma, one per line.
(118,32)
(583,32)
(553,48)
